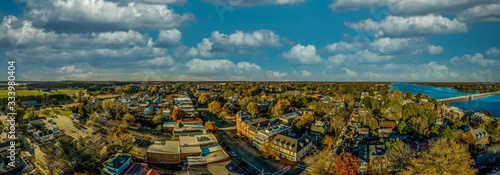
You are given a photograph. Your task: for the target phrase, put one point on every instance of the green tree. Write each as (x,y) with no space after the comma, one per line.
(159,119)
(448,133)
(431,117)
(129,118)
(487,113)
(20,115)
(398,152)
(253,109)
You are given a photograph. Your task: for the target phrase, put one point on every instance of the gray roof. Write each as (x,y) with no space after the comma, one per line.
(256,120)
(377,151)
(291,144)
(479,133)
(117,160)
(385,130)
(364,131)
(170,147)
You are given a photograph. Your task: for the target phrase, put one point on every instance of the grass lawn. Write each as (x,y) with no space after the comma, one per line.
(49,113)
(3,93)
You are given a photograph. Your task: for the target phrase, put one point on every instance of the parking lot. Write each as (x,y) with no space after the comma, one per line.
(65,124)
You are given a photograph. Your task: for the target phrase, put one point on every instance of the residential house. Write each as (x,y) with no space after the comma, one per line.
(290,148)
(116,164)
(140,169)
(44,136)
(363,159)
(477,136)
(290,117)
(478,117)
(378,158)
(150,110)
(169,126)
(55,131)
(318,128)
(384,132)
(20,168)
(264,106)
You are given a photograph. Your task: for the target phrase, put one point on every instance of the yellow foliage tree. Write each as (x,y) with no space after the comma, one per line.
(204,99)
(178,113)
(253,109)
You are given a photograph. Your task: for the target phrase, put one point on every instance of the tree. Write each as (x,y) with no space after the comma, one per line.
(328,141)
(159,119)
(397,152)
(431,117)
(20,115)
(418,125)
(346,164)
(487,113)
(253,109)
(444,156)
(280,107)
(305,122)
(266,150)
(178,113)
(31,112)
(215,108)
(129,118)
(204,99)
(448,133)
(211,126)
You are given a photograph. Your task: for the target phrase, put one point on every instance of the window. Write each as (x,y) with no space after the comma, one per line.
(166,156)
(175,157)
(149,155)
(157,155)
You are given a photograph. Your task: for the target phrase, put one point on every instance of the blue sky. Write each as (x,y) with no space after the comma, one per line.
(265,40)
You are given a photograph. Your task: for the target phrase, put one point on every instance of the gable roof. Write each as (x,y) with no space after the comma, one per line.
(291,144)
(479,133)
(117,160)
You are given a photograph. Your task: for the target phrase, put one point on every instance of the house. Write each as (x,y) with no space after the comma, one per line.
(225,168)
(169,126)
(183,130)
(55,131)
(250,127)
(363,159)
(150,110)
(44,136)
(20,168)
(116,164)
(318,128)
(26,104)
(140,169)
(264,106)
(290,117)
(190,121)
(38,121)
(290,148)
(240,117)
(384,132)
(134,126)
(478,117)
(477,136)
(378,158)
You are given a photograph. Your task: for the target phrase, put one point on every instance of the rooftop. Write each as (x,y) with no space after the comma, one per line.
(117,160)
(169,147)
(193,140)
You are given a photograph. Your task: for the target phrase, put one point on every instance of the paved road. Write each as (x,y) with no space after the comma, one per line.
(249,155)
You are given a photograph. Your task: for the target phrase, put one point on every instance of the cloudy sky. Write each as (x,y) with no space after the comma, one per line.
(267,40)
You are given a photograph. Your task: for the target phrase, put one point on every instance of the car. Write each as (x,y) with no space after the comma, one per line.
(264,156)
(479,156)
(232,153)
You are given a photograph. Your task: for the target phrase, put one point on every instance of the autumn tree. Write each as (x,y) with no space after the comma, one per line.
(211,126)
(280,108)
(215,108)
(328,140)
(444,156)
(253,109)
(305,122)
(266,150)
(204,99)
(346,164)
(129,118)
(178,113)
(159,119)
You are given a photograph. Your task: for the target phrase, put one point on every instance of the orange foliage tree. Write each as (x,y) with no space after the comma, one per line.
(211,126)
(346,164)
(178,113)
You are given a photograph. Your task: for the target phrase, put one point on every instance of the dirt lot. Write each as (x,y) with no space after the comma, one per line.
(66,124)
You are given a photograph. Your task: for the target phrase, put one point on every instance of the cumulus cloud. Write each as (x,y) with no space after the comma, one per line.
(220,66)
(165,60)
(415,45)
(481,13)
(396,26)
(476,59)
(169,38)
(177,2)
(303,55)
(219,44)
(276,74)
(493,52)
(343,47)
(409,7)
(255,2)
(100,15)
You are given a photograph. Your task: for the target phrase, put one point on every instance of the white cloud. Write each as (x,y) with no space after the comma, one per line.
(305,73)
(476,58)
(100,15)
(177,2)
(342,47)
(69,69)
(303,54)
(337,59)
(255,2)
(259,38)
(396,26)
(168,38)
(481,13)
(276,74)
(366,56)
(415,45)
(219,44)
(162,61)
(410,7)
(493,52)
(220,66)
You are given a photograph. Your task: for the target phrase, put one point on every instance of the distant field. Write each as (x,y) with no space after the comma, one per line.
(48,113)
(3,93)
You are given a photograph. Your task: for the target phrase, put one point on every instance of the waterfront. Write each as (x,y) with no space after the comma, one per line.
(491,103)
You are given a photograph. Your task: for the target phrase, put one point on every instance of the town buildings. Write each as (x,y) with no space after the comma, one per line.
(116,164)
(290,148)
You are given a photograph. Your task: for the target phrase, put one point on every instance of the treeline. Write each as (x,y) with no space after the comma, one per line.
(67,84)
(46,98)
(479,87)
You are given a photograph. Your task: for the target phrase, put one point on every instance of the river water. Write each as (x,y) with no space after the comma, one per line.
(491,103)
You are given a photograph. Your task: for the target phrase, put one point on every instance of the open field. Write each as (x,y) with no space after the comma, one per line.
(3,93)
(48,113)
